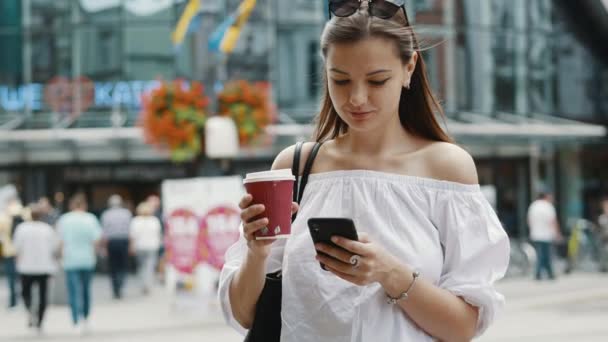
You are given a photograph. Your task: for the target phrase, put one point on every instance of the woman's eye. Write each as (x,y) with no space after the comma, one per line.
(341,82)
(378,83)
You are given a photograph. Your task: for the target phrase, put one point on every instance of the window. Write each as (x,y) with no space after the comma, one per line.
(106,47)
(503,47)
(314,80)
(10,41)
(51,40)
(423,5)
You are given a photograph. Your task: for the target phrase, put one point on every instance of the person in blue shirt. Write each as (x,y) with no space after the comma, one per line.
(80,234)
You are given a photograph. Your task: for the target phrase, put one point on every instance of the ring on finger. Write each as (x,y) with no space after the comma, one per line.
(355,260)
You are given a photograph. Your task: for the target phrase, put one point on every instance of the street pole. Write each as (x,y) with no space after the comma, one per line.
(27,49)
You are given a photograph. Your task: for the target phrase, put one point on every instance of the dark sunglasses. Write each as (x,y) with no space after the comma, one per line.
(377,8)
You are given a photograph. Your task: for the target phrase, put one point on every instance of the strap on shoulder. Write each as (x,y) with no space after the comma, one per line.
(295,168)
(307,168)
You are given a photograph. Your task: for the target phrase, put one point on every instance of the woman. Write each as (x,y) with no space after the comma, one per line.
(36,244)
(80,233)
(430,246)
(145,241)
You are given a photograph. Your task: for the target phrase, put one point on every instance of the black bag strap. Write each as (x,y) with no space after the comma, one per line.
(295,169)
(307,168)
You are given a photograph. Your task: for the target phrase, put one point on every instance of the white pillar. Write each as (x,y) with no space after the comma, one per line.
(570,185)
(450,56)
(479,40)
(521,66)
(535,181)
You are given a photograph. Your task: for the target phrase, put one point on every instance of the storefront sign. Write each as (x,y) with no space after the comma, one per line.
(59,95)
(86,174)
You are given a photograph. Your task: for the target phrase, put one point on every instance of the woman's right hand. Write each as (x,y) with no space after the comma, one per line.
(258,248)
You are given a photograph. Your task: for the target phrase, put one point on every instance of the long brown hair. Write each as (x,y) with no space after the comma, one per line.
(418,107)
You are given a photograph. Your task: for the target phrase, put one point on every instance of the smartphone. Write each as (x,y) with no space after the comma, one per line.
(323,228)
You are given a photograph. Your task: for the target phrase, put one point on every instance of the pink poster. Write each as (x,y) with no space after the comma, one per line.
(181,240)
(202,221)
(218,231)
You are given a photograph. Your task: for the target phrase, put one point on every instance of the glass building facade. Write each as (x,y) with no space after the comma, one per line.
(80,64)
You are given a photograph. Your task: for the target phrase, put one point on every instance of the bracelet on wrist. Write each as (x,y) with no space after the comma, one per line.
(404,295)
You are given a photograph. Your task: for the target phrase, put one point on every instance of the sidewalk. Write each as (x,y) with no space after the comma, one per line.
(135,318)
(573,308)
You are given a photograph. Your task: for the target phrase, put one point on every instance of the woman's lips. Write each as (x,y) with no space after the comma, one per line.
(361,114)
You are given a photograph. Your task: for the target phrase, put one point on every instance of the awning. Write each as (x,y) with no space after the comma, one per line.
(514,133)
(501,128)
(507,127)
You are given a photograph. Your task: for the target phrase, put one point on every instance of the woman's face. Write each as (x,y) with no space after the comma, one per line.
(365,82)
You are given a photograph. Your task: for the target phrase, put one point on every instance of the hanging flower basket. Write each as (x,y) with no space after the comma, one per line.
(173,117)
(249,106)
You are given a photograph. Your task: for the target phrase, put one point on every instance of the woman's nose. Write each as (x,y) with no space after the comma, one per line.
(358,96)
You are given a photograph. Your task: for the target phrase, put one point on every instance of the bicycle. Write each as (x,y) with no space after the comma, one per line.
(522,258)
(582,248)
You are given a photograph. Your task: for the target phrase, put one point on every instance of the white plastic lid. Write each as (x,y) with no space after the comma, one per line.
(272,175)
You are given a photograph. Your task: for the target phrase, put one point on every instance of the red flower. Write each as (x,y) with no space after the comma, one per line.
(161,124)
(246,103)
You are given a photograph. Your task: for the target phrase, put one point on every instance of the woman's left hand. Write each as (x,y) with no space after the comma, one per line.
(374,263)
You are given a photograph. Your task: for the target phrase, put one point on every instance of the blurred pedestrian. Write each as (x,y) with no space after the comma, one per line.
(36,245)
(544,231)
(50,214)
(145,240)
(603,236)
(80,234)
(155,203)
(12,218)
(115,222)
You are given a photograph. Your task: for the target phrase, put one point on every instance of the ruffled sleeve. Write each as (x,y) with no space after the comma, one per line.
(233,259)
(476,251)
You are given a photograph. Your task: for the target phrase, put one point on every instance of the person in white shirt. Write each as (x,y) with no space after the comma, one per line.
(430,245)
(544,230)
(37,245)
(145,236)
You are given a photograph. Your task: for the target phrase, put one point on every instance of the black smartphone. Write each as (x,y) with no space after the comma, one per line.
(323,228)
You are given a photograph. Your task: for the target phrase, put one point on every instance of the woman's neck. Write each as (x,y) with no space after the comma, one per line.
(386,141)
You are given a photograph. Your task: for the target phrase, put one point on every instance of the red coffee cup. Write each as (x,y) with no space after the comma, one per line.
(273,189)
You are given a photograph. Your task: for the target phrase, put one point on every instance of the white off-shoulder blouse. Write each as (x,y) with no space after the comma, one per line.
(446,230)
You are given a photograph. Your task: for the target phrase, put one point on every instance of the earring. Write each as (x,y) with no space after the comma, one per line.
(407,86)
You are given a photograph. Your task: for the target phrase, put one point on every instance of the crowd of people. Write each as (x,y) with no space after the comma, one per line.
(37,241)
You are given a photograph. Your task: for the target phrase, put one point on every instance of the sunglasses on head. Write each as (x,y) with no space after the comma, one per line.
(377,8)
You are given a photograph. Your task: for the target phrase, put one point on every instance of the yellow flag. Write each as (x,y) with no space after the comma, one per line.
(232,35)
(184,21)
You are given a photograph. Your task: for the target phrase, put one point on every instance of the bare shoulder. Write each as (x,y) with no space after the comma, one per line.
(284,159)
(450,162)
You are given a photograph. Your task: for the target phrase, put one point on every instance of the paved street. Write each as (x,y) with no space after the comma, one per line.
(134,319)
(573,308)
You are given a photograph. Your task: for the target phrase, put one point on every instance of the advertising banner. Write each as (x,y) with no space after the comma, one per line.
(202,219)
